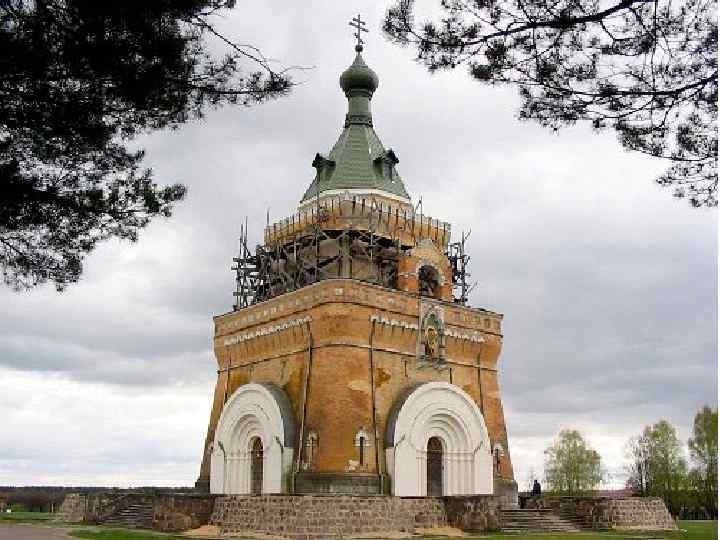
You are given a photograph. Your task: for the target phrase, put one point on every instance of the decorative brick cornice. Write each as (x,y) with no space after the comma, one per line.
(266,331)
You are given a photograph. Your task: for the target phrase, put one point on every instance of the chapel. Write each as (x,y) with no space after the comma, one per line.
(352,362)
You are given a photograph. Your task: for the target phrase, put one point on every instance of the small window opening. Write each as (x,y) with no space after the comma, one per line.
(362,451)
(311,447)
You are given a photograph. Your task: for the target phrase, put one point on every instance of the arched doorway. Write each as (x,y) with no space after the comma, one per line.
(252,451)
(434,467)
(441,411)
(256,467)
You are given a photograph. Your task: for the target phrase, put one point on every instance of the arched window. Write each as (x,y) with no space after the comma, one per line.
(362,441)
(434,467)
(311,447)
(498,453)
(256,467)
(362,451)
(429,281)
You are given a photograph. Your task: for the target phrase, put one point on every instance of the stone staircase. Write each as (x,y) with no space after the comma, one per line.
(539,520)
(136,515)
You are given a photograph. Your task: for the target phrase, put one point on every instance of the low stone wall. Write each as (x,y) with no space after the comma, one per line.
(647,513)
(72,509)
(634,513)
(172,512)
(326,516)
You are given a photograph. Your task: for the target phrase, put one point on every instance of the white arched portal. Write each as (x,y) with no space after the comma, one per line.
(254,411)
(442,410)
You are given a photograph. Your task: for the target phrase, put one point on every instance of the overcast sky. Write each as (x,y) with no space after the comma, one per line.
(608,284)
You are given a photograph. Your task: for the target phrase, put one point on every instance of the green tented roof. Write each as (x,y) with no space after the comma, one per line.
(358,160)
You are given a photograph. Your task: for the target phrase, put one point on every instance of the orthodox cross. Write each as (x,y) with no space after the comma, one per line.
(359,26)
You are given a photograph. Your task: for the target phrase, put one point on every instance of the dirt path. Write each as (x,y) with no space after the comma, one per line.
(29,532)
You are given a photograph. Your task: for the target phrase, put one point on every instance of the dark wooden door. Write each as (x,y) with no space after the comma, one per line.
(256,467)
(434,468)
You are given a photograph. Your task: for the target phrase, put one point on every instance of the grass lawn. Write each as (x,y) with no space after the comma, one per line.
(693,530)
(24,517)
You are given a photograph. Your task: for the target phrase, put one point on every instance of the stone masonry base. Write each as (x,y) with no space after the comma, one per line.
(317,516)
(332,516)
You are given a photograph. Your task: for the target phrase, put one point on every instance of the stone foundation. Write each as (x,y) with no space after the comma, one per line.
(319,516)
(329,516)
(475,513)
(506,491)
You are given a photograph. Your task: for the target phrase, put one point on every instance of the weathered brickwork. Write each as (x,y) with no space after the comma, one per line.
(345,365)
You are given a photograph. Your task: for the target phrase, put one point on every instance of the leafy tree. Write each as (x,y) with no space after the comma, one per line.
(703,447)
(78,80)
(637,453)
(645,68)
(572,467)
(659,468)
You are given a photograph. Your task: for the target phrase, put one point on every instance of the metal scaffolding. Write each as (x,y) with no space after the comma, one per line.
(350,238)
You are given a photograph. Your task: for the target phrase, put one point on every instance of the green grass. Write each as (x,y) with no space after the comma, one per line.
(24,517)
(690,530)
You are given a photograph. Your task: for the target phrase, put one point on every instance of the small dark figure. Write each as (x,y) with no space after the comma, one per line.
(537,489)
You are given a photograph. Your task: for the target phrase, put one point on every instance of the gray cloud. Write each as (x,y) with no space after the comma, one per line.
(607,283)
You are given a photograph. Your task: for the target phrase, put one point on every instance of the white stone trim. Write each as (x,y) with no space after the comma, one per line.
(266,331)
(252,411)
(474,337)
(380,319)
(356,192)
(443,410)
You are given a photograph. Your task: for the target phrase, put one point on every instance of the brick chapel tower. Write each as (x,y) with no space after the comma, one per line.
(351,362)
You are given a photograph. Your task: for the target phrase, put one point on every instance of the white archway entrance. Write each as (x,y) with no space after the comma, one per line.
(433,414)
(257,423)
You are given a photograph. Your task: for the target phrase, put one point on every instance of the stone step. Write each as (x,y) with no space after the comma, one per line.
(132,516)
(538,520)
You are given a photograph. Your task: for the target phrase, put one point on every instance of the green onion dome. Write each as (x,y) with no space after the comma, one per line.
(359,76)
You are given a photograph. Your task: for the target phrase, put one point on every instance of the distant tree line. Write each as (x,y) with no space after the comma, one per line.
(49,498)
(656,466)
